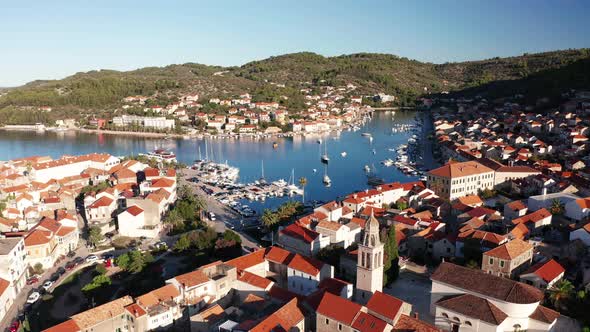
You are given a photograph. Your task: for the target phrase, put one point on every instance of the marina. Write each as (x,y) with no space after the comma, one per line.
(299,154)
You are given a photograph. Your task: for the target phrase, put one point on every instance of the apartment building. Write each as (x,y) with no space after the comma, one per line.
(455,180)
(509,259)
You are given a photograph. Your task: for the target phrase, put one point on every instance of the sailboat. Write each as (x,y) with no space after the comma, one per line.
(262,179)
(327,181)
(325,157)
(343,154)
(291,187)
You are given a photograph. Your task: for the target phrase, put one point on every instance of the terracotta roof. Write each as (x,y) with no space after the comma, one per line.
(516,206)
(517,169)
(67,326)
(359,221)
(480,282)
(212,314)
(547,271)
(384,305)
(278,255)
(406,323)
(125,173)
(37,237)
(473,306)
(333,285)
(520,231)
(162,183)
(94,316)
(101,202)
(192,279)
(365,322)
(281,294)
(305,264)
(284,319)
(64,230)
(470,200)
(338,308)
(545,315)
(533,217)
(151,172)
(134,210)
(583,203)
(254,280)
(300,233)
(135,310)
(156,296)
(249,260)
(3,285)
(460,169)
(510,250)
(329,225)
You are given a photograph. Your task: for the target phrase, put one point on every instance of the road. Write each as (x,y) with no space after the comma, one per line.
(224,214)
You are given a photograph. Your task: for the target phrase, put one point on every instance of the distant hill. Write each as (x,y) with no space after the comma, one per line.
(372,73)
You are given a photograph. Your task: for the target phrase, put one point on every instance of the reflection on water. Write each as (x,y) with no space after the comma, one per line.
(299,153)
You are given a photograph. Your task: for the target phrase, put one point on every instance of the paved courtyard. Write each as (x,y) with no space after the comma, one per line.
(414,289)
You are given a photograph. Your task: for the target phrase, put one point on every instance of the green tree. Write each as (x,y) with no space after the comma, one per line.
(96,283)
(186,209)
(183,243)
(100,269)
(303,183)
(560,293)
(123,261)
(95,236)
(401,205)
(390,257)
(230,235)
(557,207)
(174,218)
(269,219)
(137,262)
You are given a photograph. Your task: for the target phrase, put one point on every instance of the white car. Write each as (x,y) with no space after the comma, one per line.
(91,258)
(34,297)
(47,285)
(211,216)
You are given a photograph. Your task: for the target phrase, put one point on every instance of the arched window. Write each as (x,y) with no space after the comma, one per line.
(445,315)
(516,327)
(468,323)
(456,319)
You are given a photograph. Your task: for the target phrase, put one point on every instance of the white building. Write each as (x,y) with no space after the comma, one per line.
(464,299)
(304,274)
(455,180)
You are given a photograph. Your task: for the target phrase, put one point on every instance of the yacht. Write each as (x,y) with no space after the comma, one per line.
(387,162)
(327,180)
(280,183)
(367,168)
(343,154)
(161,155)
(366,134)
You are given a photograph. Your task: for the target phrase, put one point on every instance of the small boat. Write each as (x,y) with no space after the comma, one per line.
(319,141)
(325,158)
(374,151)
(366,134)
(391,149)
(387,162)
(275,145)
(343,154)
(367,168)
(327,180)
(315,170)
(371,139)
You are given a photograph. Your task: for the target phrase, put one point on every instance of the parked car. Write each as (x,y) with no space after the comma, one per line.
(211,216)
(91,259)
(70,265)
(47,285)
(32,280)
(78,260)
(71,254)
(54,276)
(61,270)
(14,326)
(34,297)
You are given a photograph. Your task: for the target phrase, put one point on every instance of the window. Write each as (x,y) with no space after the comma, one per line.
(491,261)
(501,263)
(327,321)
(445,315)
(339,327)
(468,323)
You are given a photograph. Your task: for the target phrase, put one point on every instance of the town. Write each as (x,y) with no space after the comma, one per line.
(498,236)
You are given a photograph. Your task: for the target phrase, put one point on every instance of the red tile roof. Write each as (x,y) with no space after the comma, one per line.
(67,326)
(406,323)
(249,260)
(384,305)
(300,233)
(305,264)
(460,169)
(134,210)
(254,280)
(547,271)
(338,308)
(284,319)
(368,323)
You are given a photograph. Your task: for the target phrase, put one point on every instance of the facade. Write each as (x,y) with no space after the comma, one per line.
(464,299)
(509,259)
(369,273)
(13,264)
(455,180)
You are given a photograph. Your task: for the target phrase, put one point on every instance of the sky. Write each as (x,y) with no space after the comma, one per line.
(55,39)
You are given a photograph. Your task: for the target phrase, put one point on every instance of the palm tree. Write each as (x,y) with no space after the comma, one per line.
(303,183)
(269,218)
(200,205)
(557,207)
(560,293)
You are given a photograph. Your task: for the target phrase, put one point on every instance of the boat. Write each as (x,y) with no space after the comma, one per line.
(371,139)
(387,162)
(280,183)
(319,141)
(343,154)
(315,170)
(374,151)
(161,155)
(391,150)
(275,145)
(325,157)
(366,134)
(327,181)
(367,168)
(291,187)
(262,180)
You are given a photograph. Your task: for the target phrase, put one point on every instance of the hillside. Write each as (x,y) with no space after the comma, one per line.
(373,73)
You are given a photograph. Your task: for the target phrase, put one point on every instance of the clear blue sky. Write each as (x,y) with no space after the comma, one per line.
(54,39)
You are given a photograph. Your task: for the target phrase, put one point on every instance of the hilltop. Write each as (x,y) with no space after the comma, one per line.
(402,77)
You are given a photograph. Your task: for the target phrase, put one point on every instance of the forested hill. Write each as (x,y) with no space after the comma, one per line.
(373,73)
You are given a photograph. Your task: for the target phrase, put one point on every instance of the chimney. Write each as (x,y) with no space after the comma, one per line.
(416,315)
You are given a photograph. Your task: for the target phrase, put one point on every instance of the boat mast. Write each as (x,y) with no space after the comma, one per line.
(262,162)
(200,156)
(206,151)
